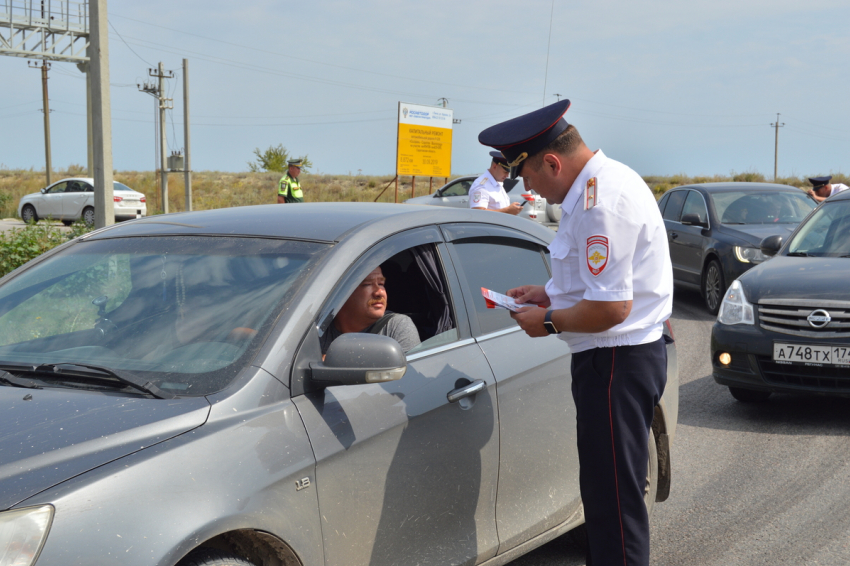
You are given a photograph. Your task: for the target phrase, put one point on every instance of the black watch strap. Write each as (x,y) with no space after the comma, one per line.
(547,322)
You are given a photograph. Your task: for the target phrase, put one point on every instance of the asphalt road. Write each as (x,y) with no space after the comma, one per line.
(753,484)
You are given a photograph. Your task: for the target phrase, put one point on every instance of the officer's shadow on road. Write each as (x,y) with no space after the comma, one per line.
(706,404)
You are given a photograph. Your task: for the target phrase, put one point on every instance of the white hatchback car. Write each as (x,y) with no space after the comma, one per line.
(72,199)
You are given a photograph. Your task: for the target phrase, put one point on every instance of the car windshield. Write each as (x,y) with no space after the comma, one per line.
(825,233)
(763,207)
(183,312)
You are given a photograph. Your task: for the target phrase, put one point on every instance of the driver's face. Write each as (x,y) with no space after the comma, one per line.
(368,302)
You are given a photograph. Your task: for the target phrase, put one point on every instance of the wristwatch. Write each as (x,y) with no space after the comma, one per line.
(550,326)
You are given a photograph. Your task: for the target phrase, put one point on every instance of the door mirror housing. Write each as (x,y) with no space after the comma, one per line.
(358,358)
(770,245)
(692,219)
(44,190)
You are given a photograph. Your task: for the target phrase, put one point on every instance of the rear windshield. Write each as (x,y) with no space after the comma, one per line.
(186,313)
(116,186)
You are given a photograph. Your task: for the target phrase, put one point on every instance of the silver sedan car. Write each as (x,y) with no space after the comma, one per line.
(456,194)
(166,400)
(72,199)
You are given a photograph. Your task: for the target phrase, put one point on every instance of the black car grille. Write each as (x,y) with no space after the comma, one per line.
(824,378)
(790,316)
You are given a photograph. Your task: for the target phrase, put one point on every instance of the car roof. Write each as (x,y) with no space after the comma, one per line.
(738,186)
(324,222)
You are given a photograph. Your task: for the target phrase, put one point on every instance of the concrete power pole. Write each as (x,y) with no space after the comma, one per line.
(163,143)
(46,108)
(187,168)
(104,206)
(776,126)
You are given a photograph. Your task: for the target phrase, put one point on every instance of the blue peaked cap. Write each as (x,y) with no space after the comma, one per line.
(521,137)
(820,181)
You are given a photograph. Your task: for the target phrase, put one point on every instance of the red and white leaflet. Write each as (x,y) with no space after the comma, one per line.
(498,300)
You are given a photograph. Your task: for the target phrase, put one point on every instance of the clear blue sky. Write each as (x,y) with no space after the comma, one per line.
(665,87)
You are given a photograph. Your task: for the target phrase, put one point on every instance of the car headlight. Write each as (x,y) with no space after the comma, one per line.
(749,255)
(735,309)
(22,534)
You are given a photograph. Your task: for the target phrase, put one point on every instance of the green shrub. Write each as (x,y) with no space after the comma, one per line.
(20,246)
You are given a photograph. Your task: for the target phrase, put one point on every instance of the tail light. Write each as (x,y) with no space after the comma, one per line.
(528,196)
(143,199)
(117,199)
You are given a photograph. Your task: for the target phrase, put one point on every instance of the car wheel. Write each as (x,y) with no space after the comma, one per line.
(749,395)
(88,216)
(213,557)
(713,286)
(28,214)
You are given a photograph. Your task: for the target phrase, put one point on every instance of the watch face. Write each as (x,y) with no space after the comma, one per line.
(550,327)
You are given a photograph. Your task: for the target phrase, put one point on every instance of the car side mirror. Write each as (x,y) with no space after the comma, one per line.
(771,245)
(692,219)
(357,358)
(44,190)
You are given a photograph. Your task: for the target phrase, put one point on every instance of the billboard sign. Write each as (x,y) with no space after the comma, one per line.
(424,140)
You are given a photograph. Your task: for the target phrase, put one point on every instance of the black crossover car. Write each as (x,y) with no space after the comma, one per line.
(784,325)
(714,230)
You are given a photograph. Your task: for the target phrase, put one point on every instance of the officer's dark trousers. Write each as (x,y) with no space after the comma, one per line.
(615,392)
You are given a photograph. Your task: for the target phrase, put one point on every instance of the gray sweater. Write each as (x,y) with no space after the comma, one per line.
(399,327)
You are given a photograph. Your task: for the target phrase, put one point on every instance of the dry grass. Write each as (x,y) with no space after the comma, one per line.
(212,189)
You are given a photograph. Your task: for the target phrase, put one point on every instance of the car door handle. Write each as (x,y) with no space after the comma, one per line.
(465,391)
(673,235)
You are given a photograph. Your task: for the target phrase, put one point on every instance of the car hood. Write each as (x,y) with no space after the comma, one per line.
(753,234)
(784,277)
(426,199)
(50,435)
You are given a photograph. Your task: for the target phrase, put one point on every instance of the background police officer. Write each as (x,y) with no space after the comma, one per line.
(822,188)
(610,293)
(289,188)
(488,193)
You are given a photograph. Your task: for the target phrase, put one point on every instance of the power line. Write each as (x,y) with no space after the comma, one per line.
(128,45)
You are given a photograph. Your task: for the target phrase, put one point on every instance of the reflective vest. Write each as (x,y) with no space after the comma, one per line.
(290,189)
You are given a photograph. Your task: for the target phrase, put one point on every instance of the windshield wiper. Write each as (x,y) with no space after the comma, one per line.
(123,377)
(797,254)
(6,377)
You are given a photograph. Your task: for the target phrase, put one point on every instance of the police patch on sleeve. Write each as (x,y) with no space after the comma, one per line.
(476,196)
(597,254)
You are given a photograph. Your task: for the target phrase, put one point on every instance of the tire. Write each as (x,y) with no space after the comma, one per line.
(749,395)
(213,557)
(578,536)
(88,216)
(28,214)
(713,286)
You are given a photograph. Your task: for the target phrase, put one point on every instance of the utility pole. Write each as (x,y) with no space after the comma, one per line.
(44,67)
(559,96)
(187,168)
(104,206)
(443,101)
(776,126)
(158,92)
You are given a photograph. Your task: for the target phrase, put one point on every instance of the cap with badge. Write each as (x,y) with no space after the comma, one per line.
(295,163)
(818,182)
(523,136)
(500,159)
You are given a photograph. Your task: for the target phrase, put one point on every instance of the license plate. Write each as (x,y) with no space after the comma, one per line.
(810,354)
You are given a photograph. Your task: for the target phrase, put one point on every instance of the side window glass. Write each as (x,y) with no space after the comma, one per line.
(499,265)
(695,204)
(458,188)
(58,188)
(663,202)
(673,209)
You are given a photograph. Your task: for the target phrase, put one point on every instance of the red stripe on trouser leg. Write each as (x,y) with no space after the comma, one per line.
(614,455)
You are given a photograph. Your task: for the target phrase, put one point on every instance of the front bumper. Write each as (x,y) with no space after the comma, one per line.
(752,365)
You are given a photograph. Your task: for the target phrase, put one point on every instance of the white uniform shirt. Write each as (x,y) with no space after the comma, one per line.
(837,188)
(486,192)
(612,246)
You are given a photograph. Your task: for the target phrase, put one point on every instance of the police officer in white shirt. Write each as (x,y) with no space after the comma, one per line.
(822,188)
(487,192)
(610,294)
